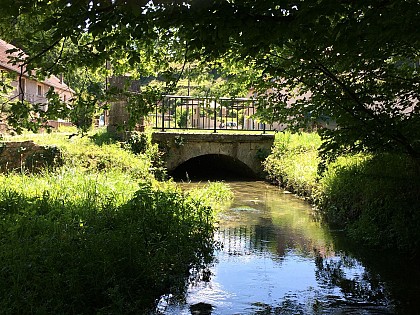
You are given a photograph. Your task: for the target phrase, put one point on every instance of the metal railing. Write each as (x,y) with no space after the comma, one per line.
(188,112)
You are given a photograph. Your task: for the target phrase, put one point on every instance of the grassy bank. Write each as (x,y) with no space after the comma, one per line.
(293,162)
(374,198)
(98,235)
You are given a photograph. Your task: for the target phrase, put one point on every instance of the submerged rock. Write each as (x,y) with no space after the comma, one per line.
(201,309)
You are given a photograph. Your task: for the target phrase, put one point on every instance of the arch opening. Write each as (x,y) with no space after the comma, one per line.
(212,167)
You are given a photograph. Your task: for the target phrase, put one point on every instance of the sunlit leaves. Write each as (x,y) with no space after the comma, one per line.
(354,62)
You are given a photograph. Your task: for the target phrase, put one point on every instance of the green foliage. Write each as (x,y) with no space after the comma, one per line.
(83,111)
(96,153)
(98,235)
(50,157)
(85,252)
(376,198)
(22,115)
(355,63)
(293,162)
(181,117)
(214,194)
(219,78)
(373,197)
(140,143)
(179,141)
(140,104)
(5,89)
(262,154)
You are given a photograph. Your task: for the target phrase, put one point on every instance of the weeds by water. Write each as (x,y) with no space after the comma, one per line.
(375,198)
(215,194)
(97,236)
(294,161)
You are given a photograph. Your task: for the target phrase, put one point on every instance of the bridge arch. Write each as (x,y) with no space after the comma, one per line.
(233,148)
(213,167)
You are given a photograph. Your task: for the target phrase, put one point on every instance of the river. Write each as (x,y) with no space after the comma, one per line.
(274,258)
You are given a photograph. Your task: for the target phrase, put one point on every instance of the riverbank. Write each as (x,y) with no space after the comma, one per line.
(99,234)
(374,198)
(275,259)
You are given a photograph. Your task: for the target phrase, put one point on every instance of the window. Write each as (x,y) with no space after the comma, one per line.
(39,90)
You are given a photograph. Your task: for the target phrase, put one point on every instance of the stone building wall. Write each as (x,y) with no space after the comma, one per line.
(27,156)
(118,117)
(118,120)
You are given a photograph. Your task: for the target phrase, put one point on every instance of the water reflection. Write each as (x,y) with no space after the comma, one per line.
(274,259)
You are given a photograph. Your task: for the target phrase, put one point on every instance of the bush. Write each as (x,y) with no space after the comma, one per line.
(85,239)
(140,143)
(293,162)
(376,198)
(91,255)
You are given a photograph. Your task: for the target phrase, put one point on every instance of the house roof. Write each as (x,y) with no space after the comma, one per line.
(6,63)
(5,57)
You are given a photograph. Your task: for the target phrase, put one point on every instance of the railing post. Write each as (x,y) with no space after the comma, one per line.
(163,114)
(156,115)
(215,116)
(264,123)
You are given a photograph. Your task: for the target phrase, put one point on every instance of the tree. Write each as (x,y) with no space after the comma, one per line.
(356,62)
(181,118)
(86,55)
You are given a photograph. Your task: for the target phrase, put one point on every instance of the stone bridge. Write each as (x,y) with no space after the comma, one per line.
(242,152)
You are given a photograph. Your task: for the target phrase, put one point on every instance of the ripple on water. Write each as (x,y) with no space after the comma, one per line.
(274,259)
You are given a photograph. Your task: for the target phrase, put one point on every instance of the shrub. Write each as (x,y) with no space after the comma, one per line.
(293,162)
(88,254)
(85,239)
(376,198)
(140,143)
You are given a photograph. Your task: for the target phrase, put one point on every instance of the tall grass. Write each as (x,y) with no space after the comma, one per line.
(97,152)
(70,185)
(294,161)
(97,236)
(83,256)
(215,194)
(374,198)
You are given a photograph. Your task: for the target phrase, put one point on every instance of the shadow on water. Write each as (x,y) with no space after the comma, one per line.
(212,167)
(398,272)
(275,259)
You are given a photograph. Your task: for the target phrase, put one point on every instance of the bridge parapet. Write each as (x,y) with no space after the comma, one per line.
(250,149)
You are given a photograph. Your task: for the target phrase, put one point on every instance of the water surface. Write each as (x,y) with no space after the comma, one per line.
(275,259)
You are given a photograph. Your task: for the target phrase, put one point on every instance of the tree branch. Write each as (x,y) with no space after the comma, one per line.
(395,134)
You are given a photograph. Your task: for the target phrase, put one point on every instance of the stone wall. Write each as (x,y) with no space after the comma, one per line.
(27,156)
(118,117)
(249,149)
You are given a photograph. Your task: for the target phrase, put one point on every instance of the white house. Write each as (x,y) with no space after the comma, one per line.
(28,88)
